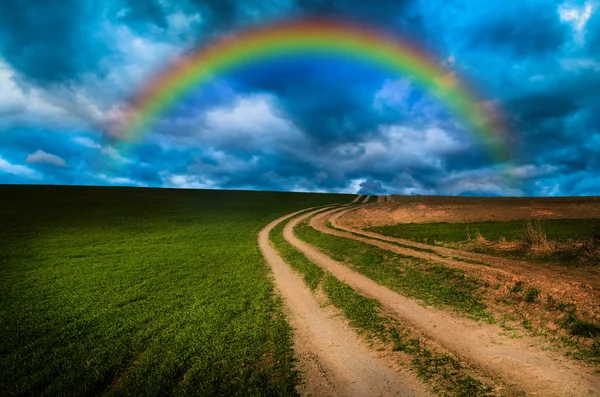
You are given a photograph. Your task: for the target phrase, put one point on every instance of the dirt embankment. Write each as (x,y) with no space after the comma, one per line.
(423,209)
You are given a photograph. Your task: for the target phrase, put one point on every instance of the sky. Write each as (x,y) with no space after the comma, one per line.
(69,70)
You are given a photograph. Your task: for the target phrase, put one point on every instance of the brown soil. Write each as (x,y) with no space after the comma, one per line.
(381,199)
(331,359)
(578,286)
(583,285)
(423,209)
(521,363)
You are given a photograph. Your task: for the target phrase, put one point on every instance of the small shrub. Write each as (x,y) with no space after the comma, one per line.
(596,348)
(550,302)
(584,328)
(531,295)
(518,287)
(566,307)
(589,253)
(533,238)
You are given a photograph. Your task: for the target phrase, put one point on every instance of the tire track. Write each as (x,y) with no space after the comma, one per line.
(507,267)
(517,361)
(331,358)
(358,196)
(366,199)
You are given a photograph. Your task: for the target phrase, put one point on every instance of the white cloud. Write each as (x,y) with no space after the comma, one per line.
(253,118)
(115,155)
(41,157)
(488,181)
(120,180)
(182,22)
(107,150)
(576,64)
(353,187)
(450,61)
(577,17)
(393,93)
(25,103)
(18,170)
(184,181)
(531,171)
(87,142)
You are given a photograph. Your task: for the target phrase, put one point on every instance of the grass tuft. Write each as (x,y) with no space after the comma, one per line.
(517,288)
(439,367)
(532,295)
(562,241)
(587,329)
(312,273)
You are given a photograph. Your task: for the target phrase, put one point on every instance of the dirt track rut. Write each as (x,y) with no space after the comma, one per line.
(358,196)
(331,358)
(519,362)
(518,267)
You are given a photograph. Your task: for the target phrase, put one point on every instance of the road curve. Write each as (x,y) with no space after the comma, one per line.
(517,361)
(331,358)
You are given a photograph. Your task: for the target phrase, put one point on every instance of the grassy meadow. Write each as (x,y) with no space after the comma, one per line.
(566,241)
(123,291)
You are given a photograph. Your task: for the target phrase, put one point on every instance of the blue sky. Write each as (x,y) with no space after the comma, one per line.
(69,67)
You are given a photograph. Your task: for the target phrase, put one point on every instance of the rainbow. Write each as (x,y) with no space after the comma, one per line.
(314,37)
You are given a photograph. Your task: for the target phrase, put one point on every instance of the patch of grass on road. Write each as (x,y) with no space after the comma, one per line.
(363,313)
(148,291)
(312,273)
(433,284)
(444,372)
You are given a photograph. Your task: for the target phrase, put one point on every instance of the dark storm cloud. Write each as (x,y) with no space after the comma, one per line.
(523,30)
(142,12)
(304,123)
(50,41)
(592,32)
(372,187)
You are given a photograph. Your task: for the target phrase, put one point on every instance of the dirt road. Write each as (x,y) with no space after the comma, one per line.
(366,199)
(572,283)
(331,358)
(519,362)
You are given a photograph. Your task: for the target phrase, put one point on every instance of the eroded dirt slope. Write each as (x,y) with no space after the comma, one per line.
(422,209)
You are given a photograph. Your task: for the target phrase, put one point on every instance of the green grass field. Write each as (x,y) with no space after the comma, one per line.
(571,241)
(124,291)
(556,230)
